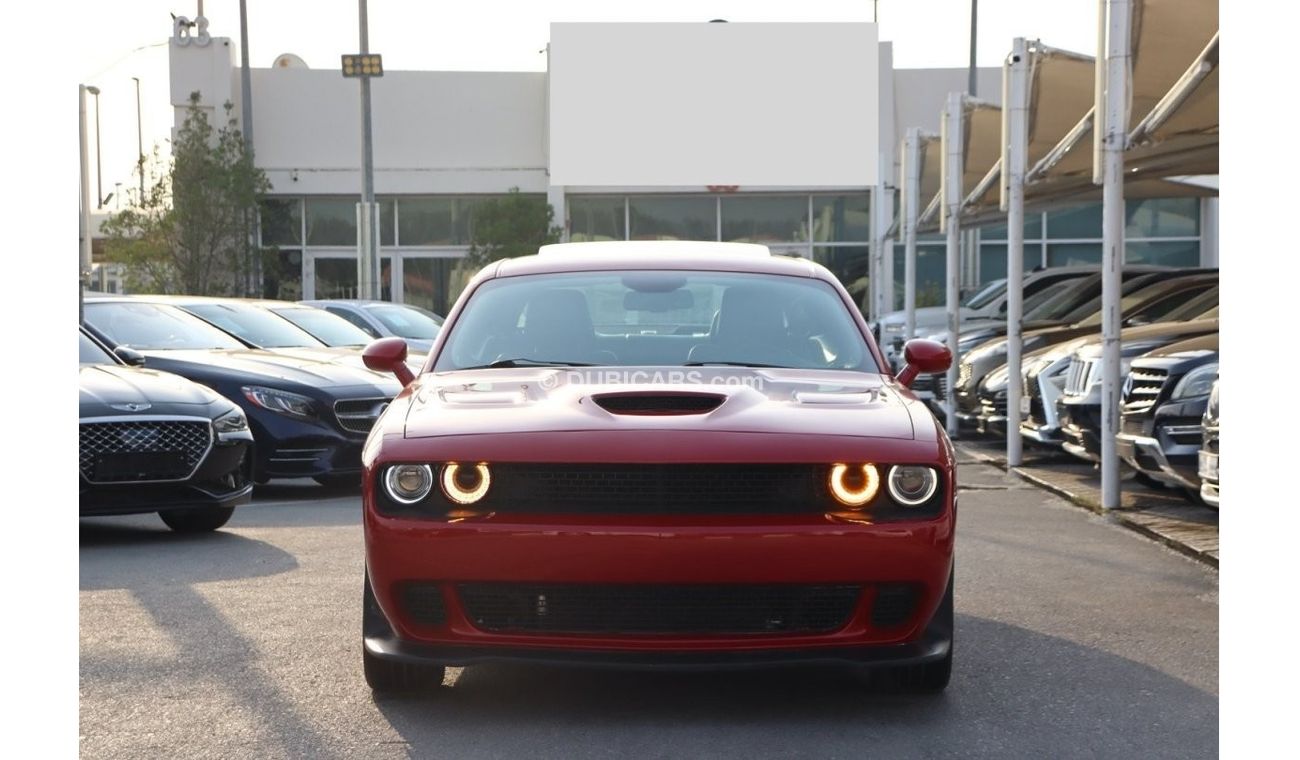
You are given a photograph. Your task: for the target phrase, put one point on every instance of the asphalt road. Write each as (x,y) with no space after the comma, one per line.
(1075,638)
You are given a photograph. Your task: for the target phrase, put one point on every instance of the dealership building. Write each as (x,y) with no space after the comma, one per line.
(446,141)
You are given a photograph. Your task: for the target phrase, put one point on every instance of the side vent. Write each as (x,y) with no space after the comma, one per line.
(658,403)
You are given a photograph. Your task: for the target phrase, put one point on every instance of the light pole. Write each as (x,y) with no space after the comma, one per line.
(139,139)
(99,174)
(363,66)
(83,269)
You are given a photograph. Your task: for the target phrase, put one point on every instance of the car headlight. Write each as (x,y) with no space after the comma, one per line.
(408,483)
(1198,382)
(912,485)
(465,484)
(231,422)
(854,486)
(282,402)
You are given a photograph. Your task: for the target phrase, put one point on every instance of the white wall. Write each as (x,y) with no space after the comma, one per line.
(434,132)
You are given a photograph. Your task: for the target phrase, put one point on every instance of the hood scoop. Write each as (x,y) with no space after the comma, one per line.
(658,403)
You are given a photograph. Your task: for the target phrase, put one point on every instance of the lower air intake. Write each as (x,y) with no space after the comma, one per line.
(643,609)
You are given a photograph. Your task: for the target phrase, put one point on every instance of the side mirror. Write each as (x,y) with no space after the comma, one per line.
(923,357)
(389,355)
(129,356)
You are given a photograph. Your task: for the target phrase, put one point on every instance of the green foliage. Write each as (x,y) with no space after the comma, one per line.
(930,295)
(515,225)
(190,232)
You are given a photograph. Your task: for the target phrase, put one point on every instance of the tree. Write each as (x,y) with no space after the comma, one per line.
(190,232)
(515,225)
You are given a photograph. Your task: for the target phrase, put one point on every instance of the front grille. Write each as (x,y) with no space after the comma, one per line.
(658,488)
(358,415)
(424,603)
(1079,376)
(646,609)
(994,406)
(1143,388)
(963,374)
(893,606)
(143,451)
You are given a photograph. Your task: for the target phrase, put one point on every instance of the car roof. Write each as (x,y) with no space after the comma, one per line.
(680,255)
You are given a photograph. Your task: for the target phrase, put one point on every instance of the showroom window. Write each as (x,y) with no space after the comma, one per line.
(281,220)
(597,218)
(673,218)
(841,218)
(333,221)
(764,218)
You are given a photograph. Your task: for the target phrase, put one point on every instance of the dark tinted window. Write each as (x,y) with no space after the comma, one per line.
(257,326)
(329,328)
(91,353)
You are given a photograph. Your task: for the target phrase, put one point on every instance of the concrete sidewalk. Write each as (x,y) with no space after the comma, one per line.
(1162,515)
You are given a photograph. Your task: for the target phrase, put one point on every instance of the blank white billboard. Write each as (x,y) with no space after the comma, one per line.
(746,104)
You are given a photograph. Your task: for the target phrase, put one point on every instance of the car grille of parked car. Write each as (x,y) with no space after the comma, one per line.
(1143,388)
(936,384)
(656,609)
(143,451)
(995,405)
(358,415)
(963,374)
(1078,377)
(658,488)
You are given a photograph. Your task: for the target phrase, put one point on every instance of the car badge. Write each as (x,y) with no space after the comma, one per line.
(132,407)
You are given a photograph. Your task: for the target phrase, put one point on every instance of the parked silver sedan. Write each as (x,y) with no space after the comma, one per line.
(382,319)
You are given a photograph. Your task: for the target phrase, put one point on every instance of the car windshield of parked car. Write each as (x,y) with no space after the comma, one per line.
(656,318)
(985,296)
(407,321)
(331,329)
(91,353)
(1052,300)
(257,326)
(1194,308)
(151,326)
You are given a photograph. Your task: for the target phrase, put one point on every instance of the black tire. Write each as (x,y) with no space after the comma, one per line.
(352,480)
(926,678)
(1194,496)
(196,520)
(388,676)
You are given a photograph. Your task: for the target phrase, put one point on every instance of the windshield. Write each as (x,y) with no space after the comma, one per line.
(151,326)
(257,326)
(986,294)
(331,329)
(407,321)
(1051,300)
(91,353)
(657,318)
(1194,308)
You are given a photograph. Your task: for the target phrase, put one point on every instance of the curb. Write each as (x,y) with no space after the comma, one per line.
(1120,516)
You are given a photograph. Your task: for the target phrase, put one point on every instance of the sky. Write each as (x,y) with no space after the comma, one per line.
(115,42)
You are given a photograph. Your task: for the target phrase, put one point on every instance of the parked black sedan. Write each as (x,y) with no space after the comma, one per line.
(1165,397)
(309,417)
(155,442)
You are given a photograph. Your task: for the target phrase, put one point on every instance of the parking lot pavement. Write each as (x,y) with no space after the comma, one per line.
(1075,638)
(1162,514)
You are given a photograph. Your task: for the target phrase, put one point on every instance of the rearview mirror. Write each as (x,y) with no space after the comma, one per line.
(389,355)
(923,357)
(129,356)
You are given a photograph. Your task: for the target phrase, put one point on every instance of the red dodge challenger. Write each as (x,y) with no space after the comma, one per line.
(657,455)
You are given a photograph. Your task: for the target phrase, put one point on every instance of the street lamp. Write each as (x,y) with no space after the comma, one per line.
(99,175)
(139,138)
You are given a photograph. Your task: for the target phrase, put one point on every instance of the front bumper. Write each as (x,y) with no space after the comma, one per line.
(814,549)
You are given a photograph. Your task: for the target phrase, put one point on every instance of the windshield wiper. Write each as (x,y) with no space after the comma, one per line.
(521,362)
(736,364)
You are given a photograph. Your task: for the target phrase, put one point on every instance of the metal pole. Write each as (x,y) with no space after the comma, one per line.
(139,140)
(246,123)
(952,201)
(84,264)
(99,172)
(1016,150)
(1118,13)
(367,212)
(970,77)
(911,171)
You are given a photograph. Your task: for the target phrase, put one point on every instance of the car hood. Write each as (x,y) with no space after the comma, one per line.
(318,368)
(1135,341)
(108,390)
(779,401)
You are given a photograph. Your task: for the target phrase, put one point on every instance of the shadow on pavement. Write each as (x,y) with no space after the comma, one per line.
(107,559)
(1045,697)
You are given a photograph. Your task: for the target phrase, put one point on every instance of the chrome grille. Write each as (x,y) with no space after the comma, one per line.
(995,406)
(1079,376)
(141,451)
(358,415)
(963,374)
(1142,389)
